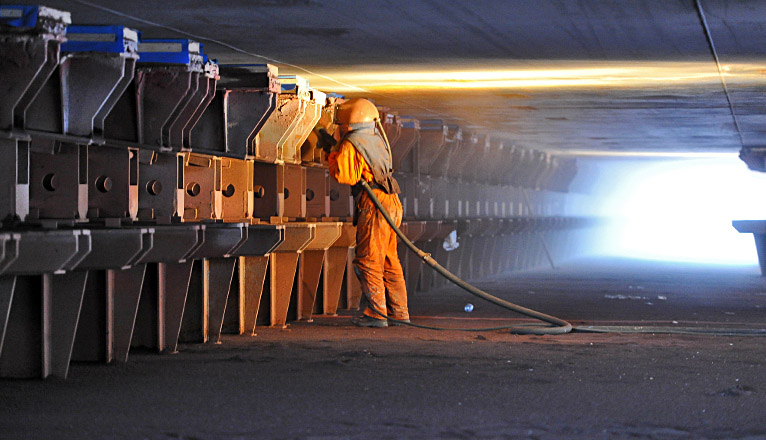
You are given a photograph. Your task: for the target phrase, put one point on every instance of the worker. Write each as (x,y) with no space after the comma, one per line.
(363,154)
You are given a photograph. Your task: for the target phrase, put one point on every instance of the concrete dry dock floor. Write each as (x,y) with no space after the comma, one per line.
(328,380)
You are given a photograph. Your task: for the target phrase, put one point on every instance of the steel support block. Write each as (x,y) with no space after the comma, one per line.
(161,190)
(282,277)
(217,279)
(309,274)
(758,229)
(41,325)
(26,63)
(161,93)
(108,315)
(411,263)
(317,193)
(353,289)
(236,190)
(112,184)
(282,270)
(203,199)
(14,179)
(247,96)
(252,276)
(310,268)
(291,147)
(7,288)
(334,270)
(341,201)
(405,154)
(285,121)
(161,307)
(59,183)
(433,134)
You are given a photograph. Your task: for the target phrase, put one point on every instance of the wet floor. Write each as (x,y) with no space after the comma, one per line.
(328,380)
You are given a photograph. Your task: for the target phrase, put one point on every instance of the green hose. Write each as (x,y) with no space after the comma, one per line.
(558,326)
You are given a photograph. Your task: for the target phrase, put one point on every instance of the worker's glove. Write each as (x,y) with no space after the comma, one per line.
(325,141)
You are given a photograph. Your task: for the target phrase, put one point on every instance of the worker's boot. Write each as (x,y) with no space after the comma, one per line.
(366,321)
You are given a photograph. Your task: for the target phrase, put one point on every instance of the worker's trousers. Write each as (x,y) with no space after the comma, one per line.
(377,263)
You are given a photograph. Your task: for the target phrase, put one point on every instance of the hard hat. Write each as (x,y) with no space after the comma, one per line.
(356,110)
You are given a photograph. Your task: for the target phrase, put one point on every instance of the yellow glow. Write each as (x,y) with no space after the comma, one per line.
(563,75)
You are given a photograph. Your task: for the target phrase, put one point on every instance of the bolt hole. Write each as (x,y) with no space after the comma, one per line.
(104,184)
(229,191)
(154,187)
(334,195)
(309,195)
(287,193)
(259,191)
(50,182)
(193,189)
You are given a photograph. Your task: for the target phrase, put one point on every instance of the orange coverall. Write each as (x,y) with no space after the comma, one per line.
(377,263)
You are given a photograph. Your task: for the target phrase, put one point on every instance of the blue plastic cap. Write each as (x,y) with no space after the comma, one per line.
(112,39)
(169,51)
(39,18)
(18,15)
(432,124)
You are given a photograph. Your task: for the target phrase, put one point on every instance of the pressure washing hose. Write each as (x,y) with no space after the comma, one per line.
(558,326)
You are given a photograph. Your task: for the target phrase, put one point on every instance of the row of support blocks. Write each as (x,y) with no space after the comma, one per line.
(152,197)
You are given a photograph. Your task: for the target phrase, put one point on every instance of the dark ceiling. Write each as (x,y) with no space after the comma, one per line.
(579,76)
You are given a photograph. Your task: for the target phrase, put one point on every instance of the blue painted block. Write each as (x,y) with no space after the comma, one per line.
(18,15)
(24,16)
(169,51)
(112,39)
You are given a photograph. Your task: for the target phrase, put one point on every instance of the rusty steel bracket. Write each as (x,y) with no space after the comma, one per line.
(317,192)
(39,251)
(245,99)
(58,189)
(341,201)
(285,121)
(252,268)
(202,186)
(452,144)
(153,106)
(405,155)
(411,263)
(161,190)
(189,111)
(237,196)
(758,229)
(29,54)
(311,264)
(433,136)
(112,184)
(116,248)
(310,154)
(293,144)
(283,263)
(391,123)
(40,320)
(333,271)
(280,191)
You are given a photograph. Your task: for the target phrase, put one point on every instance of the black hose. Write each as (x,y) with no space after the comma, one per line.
(558,326)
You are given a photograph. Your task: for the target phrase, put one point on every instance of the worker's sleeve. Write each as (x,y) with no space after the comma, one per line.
(345,166)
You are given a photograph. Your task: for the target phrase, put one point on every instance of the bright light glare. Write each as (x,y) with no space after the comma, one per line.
(551,75)
(682,211)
